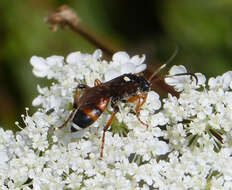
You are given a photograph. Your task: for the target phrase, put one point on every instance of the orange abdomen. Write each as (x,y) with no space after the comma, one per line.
(85,116)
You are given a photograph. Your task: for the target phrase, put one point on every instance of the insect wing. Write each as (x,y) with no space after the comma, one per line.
(93,96)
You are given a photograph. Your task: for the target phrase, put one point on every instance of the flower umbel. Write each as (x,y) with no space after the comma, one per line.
(186,145)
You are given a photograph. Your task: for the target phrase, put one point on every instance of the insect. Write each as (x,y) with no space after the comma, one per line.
(94,100)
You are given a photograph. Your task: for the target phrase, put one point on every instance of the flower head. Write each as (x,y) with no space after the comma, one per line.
(186,144)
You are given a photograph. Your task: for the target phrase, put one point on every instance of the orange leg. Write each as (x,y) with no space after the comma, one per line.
(133,98)
(116,109)
(69,118)
(141,100)
(140,103)
(75,104)
(97,82)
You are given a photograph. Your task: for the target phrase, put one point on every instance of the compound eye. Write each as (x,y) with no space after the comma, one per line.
(145,85)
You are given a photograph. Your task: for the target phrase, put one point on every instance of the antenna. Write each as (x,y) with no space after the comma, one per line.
(165,64)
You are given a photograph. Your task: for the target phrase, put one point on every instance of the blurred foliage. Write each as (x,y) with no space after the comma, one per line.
(201,28)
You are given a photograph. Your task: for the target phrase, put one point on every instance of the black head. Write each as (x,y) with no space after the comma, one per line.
(143,84)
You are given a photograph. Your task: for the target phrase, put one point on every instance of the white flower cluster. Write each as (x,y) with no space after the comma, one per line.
(186,146)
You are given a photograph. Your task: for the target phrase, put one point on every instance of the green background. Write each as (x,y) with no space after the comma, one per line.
(202,29)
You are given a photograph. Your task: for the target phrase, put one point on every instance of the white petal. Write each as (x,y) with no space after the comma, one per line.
(161,148)
(153,95)
(39,73)
(200,79)
(37,101)
(121,57)
(42,90)
(97,54)
(128,68)
(74,58)
(227,78)
(78,134)
(140,68)
(171,81)
(55,60)
(3,156)
(111,74)
(40,67)
(153,99)
(138,60)
(38,63)
(212,82)
(177,69)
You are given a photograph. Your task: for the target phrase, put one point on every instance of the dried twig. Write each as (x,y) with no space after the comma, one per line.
(66,17)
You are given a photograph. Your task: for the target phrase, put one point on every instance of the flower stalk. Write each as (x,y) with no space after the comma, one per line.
(66,17)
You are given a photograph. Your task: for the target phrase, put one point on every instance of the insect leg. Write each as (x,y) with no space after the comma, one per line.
(141,100)
(97,82)
(69,118)
(116,109)
(75,104)
(133,98)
